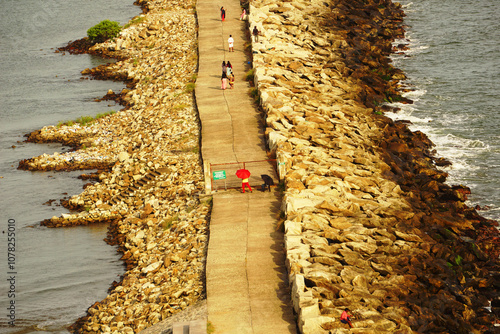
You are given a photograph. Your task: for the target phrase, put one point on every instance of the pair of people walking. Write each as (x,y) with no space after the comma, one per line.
(227,81)
(227,78)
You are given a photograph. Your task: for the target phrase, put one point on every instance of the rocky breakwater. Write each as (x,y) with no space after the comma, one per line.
(370,225)
(150,175)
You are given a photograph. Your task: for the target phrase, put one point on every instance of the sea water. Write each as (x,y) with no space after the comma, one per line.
(48,276)
(453,69)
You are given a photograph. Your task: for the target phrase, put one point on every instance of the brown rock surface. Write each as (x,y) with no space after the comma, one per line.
(370,223)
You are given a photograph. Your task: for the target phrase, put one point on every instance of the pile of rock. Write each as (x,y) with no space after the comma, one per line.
(150,174)
(370,225)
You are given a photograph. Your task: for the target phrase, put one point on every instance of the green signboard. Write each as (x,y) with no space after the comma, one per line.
(219,175)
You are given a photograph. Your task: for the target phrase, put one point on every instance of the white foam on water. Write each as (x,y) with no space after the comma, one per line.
(408,5)
(414,94)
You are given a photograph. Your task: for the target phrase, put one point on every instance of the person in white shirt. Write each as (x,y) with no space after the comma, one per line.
(230,41)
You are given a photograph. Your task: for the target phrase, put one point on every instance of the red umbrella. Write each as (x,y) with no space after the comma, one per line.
(243,173)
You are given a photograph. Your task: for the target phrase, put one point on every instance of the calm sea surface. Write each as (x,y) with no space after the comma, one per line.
(453,65)
(57,273)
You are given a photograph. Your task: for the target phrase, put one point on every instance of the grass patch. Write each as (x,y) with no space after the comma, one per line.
(180,107)
(190,87)
(249,76)
(281,186)
(254,93)
(191,149)
(135,20)
(169,222)
(85,120)
(210,328)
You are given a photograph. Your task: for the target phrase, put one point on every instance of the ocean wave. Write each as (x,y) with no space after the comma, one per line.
(415,94)
(451,140)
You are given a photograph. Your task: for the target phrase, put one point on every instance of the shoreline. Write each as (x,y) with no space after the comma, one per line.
(370,224)
(149,172)
(138,222)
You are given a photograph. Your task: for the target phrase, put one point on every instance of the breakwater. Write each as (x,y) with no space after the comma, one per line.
(370,225)
(149,172)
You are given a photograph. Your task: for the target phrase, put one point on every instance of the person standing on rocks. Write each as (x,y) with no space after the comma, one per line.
(230,41)
(223,14)
(255,33)
(243,15)
(345,318)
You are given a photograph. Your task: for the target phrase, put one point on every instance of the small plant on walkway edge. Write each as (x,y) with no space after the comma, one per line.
(190,87)
(250,77)
(210,328)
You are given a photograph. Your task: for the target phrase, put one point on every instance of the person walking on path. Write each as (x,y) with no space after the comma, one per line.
(243,14)
(231,81)
(230,41)
(229,68)
(255,33)
(223,14)
(345,318)
(244,182)
(223,84)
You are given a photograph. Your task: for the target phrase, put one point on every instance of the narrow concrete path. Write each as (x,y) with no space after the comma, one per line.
(247,290)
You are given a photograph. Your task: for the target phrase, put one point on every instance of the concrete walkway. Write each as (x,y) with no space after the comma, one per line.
(246,277)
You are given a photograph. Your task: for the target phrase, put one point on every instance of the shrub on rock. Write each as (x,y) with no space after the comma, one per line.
(103,30)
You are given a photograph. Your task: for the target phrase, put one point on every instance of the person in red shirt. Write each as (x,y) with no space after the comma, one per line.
(345,318)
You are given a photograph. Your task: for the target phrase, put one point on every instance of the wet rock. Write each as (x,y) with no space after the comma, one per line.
(363,194)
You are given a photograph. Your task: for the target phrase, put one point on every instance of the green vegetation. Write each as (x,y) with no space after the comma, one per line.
(169,222)
(281,186)
(210,328)
(254,93)
(85,120)
(135,20)
(191,149)
(180,107)
(190,87)
(104,30)
(249,76)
